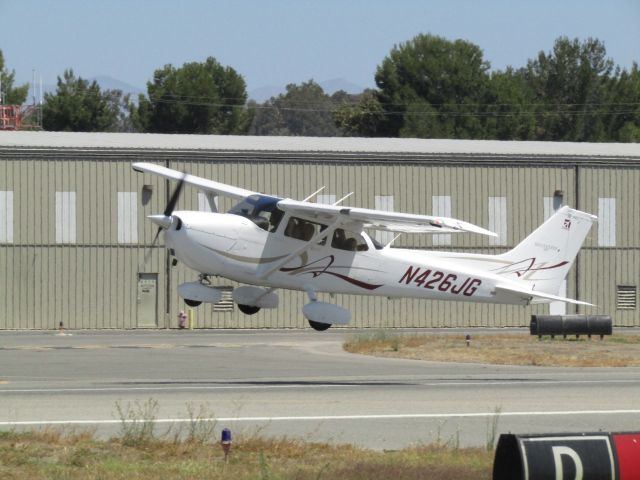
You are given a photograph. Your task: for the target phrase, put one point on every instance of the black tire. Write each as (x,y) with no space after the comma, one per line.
(319,326)
(192,303)
(248,309)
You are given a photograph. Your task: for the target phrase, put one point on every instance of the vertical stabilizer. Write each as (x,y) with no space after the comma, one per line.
(543,259)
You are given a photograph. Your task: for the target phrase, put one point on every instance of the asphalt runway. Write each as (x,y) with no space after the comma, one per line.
(299,384)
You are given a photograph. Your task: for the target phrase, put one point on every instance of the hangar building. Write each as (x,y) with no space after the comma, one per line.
(73,232)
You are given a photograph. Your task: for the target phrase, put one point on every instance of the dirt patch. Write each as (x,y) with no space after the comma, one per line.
(503,349)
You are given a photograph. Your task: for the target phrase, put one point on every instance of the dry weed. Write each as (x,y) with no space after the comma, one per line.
(511,349)
(40,455)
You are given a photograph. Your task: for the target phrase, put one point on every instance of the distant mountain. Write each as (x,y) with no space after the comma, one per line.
(109,83)
(333,85)
(262,94)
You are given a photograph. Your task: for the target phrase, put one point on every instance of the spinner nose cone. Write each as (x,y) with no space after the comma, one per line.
(163,221)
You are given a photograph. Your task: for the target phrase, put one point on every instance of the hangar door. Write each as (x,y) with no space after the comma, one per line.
(147,300)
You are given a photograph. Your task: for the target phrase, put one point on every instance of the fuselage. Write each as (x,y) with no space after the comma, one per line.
(236,248)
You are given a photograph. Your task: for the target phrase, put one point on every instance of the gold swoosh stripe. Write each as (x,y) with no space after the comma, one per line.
(243,259)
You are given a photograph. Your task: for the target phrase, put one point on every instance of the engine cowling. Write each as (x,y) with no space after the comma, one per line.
(328,313)
(255,296)
(199,292)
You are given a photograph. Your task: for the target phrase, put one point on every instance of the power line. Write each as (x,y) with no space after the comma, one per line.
(431,113)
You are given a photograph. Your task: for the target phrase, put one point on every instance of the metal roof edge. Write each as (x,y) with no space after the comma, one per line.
(326,145)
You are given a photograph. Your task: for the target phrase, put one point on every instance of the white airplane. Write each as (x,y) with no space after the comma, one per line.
(272,243)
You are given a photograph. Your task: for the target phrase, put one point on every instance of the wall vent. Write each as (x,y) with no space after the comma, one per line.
(226,302)
(626,297)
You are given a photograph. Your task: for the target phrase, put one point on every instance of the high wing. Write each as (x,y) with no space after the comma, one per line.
(378,219)
(199,182)
(357,218)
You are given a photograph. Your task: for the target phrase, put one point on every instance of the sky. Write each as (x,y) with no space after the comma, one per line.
(276,42)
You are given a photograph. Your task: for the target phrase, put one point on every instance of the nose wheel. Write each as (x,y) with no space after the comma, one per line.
(203,278)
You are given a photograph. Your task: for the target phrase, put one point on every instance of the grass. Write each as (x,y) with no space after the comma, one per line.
(507,349)
(52,454)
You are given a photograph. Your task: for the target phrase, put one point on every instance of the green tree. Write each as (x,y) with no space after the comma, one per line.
(205,98)
(433,87)
(80,106)
(569,86)
(9,94)
(623,117)
(509,109)
(359,115)
(303,110)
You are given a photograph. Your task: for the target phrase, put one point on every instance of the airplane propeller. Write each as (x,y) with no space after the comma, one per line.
(165,219)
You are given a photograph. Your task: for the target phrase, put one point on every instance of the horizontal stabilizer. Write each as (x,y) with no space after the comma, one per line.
(525,296)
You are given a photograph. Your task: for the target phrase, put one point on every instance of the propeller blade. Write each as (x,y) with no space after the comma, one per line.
(174,198)
(164,221)
(147,254)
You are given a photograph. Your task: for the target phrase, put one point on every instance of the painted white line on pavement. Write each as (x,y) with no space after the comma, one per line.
(327,417)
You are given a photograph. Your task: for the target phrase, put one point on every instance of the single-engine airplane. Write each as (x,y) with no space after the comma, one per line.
(269,243)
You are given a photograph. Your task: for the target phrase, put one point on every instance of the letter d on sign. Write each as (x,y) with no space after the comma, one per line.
(558,452)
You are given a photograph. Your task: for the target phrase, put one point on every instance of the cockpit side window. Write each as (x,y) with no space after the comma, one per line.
(350,241)
(261,210)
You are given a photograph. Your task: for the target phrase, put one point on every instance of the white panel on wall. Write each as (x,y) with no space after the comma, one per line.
(551,205)
(326,199)
(548,207)
(607,222)
(559,308)
(498,220)
(207,202)
(6,217)
(441,208)
(127,217)
(384,202)
(65,217)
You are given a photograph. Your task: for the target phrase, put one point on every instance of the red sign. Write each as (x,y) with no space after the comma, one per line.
(628,451)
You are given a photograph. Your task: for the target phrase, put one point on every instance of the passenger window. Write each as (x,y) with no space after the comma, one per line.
(344,240)
(303,229)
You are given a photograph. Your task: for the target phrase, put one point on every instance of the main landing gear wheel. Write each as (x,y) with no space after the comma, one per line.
(192,303)
(319,326)
(248,309)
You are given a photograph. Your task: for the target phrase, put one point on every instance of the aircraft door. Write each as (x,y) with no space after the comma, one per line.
(147,300)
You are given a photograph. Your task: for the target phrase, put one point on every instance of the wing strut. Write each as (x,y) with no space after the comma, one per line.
(313,194)
(343,199)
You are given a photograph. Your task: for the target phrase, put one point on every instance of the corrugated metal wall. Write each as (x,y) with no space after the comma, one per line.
(603,268)
(93,281)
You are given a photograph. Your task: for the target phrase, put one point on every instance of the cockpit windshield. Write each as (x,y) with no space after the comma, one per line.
(261,210)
